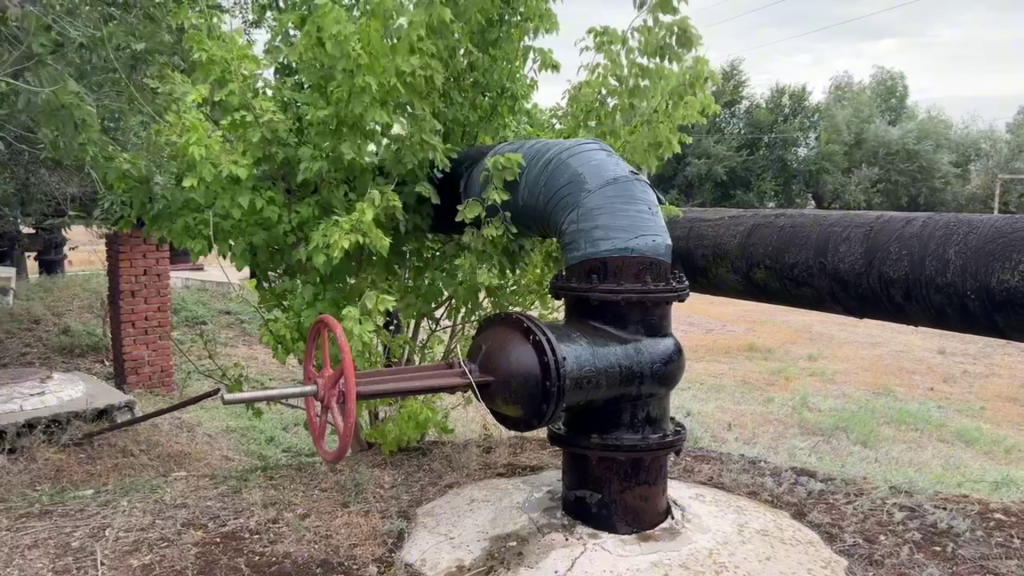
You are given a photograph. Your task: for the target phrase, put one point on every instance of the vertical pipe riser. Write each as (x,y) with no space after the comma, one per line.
(618,494)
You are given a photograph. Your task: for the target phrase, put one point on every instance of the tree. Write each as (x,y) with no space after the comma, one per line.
(310,163)
(754,153)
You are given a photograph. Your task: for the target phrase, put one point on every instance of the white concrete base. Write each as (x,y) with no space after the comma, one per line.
(59,398)
(515,526)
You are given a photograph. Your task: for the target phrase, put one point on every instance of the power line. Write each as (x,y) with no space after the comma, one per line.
(711,6)
(815,31)
(738,16)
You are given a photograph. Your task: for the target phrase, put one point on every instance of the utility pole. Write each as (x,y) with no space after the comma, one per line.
(999,181)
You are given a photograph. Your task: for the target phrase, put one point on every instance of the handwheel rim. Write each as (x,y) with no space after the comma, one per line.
(336,389)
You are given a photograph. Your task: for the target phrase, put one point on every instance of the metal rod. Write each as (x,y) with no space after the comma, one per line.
(396,370)
(418,377)
(254,396)
(396,389)
(154,414)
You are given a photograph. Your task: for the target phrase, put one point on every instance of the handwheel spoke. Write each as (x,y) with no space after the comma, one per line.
(322,425)
(325,350)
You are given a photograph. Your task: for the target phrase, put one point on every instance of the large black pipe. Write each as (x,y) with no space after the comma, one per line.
(957,272)
(601,380)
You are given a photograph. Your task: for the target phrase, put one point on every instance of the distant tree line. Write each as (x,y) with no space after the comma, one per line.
(864,146)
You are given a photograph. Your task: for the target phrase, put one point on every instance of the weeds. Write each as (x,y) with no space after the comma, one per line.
(57,323)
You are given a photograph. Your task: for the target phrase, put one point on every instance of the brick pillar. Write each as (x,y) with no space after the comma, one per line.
(138,271)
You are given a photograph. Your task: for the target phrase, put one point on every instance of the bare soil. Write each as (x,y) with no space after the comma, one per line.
(202,492)
(195,509)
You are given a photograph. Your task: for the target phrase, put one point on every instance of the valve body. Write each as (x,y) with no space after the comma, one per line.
(600,381)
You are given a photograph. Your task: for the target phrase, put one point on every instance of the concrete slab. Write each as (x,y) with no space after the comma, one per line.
(8,279)
(59,397)
(514,526)
(212,277)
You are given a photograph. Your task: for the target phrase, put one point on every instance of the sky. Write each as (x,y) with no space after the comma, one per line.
(966,56)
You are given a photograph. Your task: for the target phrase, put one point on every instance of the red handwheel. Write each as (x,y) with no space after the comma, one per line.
(335,402)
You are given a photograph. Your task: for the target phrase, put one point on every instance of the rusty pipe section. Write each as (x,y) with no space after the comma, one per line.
(383,383)
(957,272)
(404,381)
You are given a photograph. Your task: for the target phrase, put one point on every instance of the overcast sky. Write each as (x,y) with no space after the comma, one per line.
(964,55)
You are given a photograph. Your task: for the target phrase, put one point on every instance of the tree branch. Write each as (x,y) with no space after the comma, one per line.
(27,87)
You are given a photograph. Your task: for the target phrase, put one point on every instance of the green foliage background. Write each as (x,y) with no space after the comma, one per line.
(309,160)
(864,146)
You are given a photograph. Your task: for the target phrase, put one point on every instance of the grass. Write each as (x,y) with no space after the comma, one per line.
(218,309)
(57,323)
(922,446)
(217,484)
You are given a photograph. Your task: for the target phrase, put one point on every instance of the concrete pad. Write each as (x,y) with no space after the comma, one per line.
(8,279)
(58,397)
(211,278)
(515,527)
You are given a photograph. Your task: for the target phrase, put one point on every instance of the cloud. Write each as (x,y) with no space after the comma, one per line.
(961,55)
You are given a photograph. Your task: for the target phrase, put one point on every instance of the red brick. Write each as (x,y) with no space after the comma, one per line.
(145,309)
(163,261)
(141,248)
(165,308)
(131,240)
(133,318)
(134,270)
(166,247)
(155,270)
(151,331)
(149,370)
(158,315)
(159,300)
(131,287)
(143,340)
(131,332)
(145,263)
(155,254)
(129,302)
(166,277)
(141,355)
(137,378)
(160,346)
(137,363)
(133,348)
(126,342)
(161,356)
(147,293)
(164,323)
(146,324)
(162,293)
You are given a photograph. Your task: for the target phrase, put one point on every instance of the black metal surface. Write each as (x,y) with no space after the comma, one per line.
(522,356)
(50,255)
(617,494)
(957,272)
(601,381)
(621,279)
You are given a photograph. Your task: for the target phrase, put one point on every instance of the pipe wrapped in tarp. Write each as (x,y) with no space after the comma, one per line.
(579,192)
(957,272)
